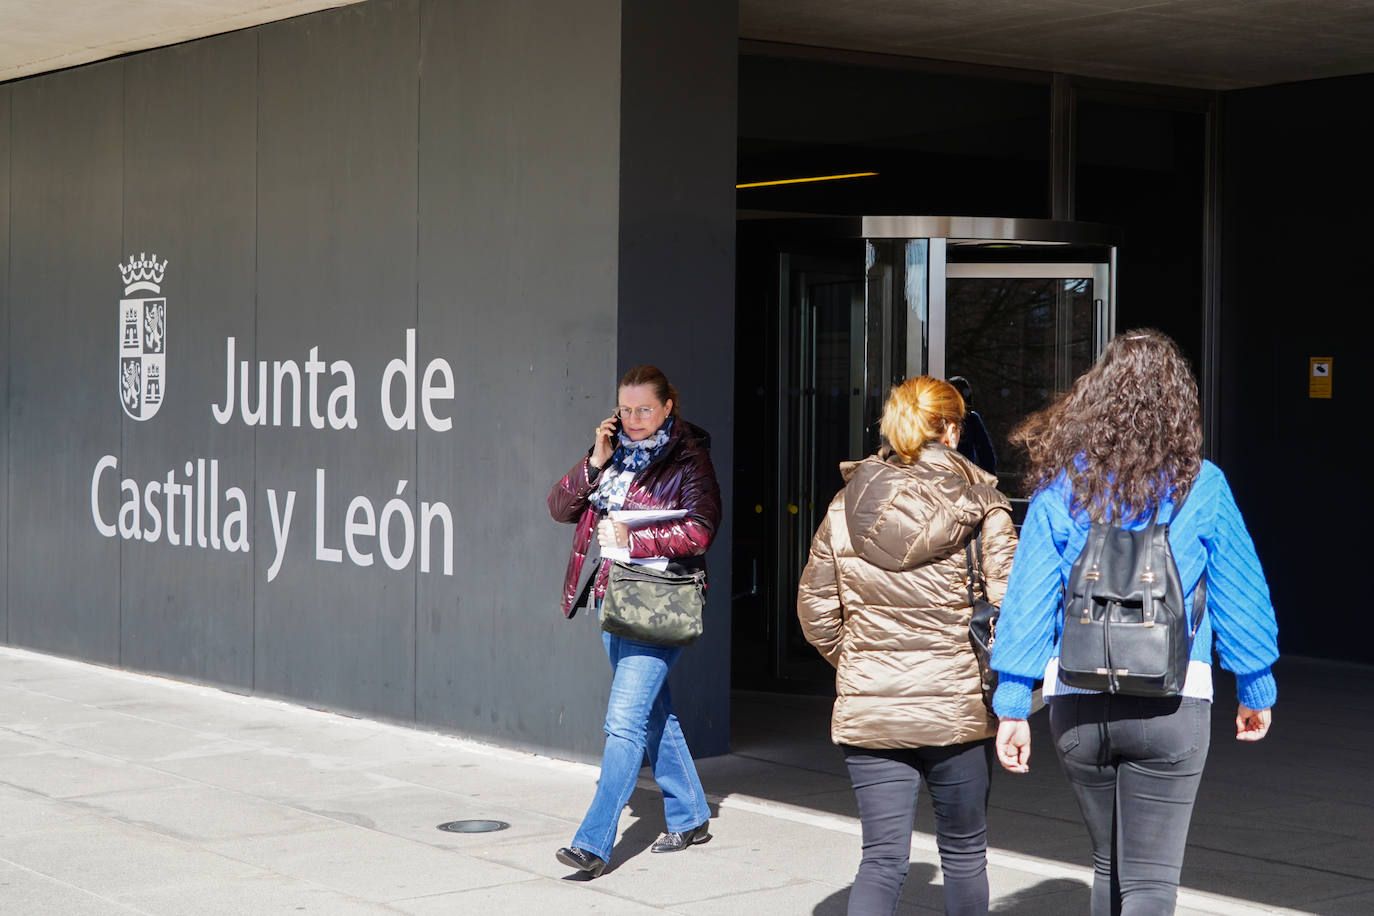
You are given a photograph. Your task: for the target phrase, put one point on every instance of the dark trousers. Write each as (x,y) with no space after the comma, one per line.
(1135,765)
(886,783)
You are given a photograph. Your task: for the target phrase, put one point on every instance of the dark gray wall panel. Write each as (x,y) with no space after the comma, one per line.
(189,196)
(677,250)
(325,184)
(64,398)
(5,354)
(336,270)
(518,150)
(1291,161)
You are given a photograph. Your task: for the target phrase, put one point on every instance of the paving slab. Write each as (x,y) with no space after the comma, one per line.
(107,859)
(1347,905)
(25,891)
(23,811)
(366,864)
(196,813)
(537,895)
(65,773)
(278,774)
(253,895)
(416,813)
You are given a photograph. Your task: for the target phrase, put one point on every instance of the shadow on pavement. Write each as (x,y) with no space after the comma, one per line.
(918,895)
(1268,814)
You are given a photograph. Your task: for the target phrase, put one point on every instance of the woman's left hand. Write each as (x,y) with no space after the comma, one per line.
(610,533)
(1252,724)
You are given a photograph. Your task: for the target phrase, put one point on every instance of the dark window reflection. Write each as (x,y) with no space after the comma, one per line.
(1003,335)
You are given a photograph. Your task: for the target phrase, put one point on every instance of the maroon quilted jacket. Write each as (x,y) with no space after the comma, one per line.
(680,477)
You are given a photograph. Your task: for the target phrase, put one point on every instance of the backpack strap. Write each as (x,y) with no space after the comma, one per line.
(1200,592)
(1199,605)
(1178,506)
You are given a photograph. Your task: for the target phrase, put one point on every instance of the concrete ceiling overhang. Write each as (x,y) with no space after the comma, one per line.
(1202,44)
(1207,44)
(37,36)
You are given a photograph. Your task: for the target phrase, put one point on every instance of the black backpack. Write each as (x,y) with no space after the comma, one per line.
(1126,629)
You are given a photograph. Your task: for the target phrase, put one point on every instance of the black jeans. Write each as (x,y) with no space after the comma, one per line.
(1135,765)
(885,784)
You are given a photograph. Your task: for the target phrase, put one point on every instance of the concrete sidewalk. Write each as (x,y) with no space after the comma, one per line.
(122,793)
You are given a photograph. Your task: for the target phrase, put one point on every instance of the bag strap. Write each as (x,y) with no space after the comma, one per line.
(592,562)
(975,567)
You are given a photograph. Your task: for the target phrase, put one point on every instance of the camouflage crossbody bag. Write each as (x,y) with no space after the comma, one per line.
(653,605)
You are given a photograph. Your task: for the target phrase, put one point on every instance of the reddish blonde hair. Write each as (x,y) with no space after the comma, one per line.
(918,411)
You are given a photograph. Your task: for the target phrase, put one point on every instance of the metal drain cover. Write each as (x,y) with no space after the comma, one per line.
(473,826)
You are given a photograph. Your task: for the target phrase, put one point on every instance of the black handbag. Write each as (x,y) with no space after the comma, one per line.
(982,624)
(653,605)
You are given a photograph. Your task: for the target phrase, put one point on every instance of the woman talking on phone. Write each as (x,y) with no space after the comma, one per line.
(643,456)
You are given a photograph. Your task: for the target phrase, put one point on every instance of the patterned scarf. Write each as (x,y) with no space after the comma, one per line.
(629,459)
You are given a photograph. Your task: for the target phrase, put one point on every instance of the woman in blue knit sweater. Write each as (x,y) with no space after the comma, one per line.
(1124,441)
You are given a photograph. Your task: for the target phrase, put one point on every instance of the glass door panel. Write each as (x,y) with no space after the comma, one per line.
(1018,340)
(821,422)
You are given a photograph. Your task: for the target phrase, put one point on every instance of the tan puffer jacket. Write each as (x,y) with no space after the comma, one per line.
(883,597)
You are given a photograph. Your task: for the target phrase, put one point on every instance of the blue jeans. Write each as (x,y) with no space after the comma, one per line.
(639,718)
(1135,764)
(886,783)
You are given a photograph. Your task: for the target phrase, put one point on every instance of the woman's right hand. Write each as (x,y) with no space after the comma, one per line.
(1013,745)
(604,443)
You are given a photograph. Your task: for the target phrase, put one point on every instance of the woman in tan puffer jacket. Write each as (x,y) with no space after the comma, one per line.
(884,598)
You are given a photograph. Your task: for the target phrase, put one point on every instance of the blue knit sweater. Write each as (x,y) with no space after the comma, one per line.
(1208,533)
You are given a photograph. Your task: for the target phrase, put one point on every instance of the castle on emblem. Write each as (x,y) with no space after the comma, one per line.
(142,337)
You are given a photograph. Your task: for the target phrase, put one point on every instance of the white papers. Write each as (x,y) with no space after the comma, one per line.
(637,518)
(623,555)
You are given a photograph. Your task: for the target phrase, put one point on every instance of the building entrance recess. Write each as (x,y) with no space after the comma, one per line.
(833,311)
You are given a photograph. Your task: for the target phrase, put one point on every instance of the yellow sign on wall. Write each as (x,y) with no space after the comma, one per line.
(1319,377)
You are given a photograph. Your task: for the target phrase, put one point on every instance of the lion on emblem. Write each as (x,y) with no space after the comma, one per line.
(154,319)
(131,383)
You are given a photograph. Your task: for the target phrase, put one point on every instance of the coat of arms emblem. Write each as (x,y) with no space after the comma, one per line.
(142,338)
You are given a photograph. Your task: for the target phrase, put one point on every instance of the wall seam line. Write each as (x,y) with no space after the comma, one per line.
(123,427)
(415,570)
(9,348)
(257,283)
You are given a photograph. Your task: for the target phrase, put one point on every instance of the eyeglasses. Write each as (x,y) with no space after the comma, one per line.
(643,413)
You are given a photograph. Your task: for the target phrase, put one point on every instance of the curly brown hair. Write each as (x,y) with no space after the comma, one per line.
(1128,433)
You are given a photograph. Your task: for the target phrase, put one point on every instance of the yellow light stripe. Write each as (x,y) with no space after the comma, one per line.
(764,184)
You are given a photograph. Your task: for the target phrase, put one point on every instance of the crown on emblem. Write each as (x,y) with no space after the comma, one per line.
(143,268)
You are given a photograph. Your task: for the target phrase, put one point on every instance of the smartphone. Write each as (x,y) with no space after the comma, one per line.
(617,429)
